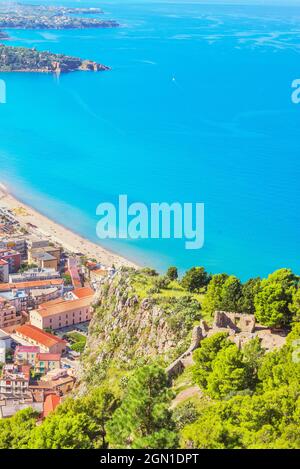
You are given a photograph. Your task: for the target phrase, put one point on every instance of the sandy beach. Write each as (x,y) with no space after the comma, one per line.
(41,226)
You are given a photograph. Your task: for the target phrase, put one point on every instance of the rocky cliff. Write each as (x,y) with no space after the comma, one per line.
(131,326)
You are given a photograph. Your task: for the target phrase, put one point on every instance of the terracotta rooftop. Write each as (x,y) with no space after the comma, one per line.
(27,349)
(39,336)
(34,284)
(48,357)
(52,302)
(83,292)
(50,404)
(64,307)
(100,272)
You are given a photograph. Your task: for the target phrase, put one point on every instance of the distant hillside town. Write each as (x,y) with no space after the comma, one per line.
(42,17)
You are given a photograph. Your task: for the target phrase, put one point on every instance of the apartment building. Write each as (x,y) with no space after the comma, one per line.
(46,362)
(48,343)
(13,258)
(45,257)
(8,314)
(15,380)
(17,244)
(26,354)
(62,313)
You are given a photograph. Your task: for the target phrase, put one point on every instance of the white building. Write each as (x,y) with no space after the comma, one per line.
(34,274)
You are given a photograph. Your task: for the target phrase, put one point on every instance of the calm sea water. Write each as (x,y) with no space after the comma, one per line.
(197,108)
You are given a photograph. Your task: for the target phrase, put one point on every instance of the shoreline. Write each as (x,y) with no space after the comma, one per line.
(57,233)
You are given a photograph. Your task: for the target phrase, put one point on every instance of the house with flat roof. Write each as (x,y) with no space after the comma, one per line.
(9,406)
(33,274)
(45,260)
(45,257)
(16,298)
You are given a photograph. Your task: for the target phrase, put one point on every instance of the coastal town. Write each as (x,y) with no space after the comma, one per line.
(46,303)
(22,16)
(42,17)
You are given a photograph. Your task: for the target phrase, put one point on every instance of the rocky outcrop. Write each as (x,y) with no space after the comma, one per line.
(20,59)
(89,65)
(127,330)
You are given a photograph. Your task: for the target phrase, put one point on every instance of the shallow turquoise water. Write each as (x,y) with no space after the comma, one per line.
(197,108)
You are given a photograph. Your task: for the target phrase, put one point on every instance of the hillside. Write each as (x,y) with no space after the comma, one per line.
(135,322)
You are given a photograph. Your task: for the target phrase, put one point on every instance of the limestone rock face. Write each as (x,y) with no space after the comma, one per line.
(127,330)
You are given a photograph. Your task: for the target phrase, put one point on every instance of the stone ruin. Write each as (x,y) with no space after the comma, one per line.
(234,321)
(240,328)
(177,367)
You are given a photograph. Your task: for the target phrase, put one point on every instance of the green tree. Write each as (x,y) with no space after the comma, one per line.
(231,294)
(212,300)
(272,303)
(249,291)
(172,273)
(295,305)
(205,355)
(195,279)
(229,373)
(144,419)
(77,423)
(259,421)
(281,367)
(253,354)
(15,432)
(162,282)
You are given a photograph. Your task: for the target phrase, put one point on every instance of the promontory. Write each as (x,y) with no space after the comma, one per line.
(21,59)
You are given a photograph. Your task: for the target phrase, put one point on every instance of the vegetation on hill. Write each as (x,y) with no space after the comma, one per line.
(140,317)
(16,59)
(246,398)
(255,398)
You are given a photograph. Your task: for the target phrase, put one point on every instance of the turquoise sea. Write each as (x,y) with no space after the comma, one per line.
(197,108)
